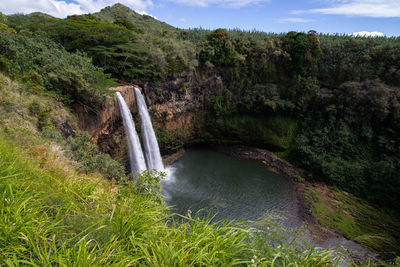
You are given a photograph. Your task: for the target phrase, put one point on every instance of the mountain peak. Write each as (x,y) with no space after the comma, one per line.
(121,7)
(144,22)
(118,10)
(40,14)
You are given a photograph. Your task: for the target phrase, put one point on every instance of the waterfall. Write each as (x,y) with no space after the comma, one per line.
(136,158)
(150,145)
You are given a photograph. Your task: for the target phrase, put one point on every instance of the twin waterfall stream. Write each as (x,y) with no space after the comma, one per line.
(140,159)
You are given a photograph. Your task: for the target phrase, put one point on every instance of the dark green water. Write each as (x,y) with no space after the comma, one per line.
(212,183)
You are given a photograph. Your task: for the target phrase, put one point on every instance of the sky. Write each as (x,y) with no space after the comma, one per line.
(359,17)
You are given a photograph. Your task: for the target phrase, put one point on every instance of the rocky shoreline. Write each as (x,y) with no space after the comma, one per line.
(171,158)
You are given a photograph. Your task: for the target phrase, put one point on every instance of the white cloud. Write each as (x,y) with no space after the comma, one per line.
(294,20)
(365,8)
(223,3)
(145,13)
(61,9)
(368,34)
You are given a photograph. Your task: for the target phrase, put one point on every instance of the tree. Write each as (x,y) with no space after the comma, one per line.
(303,49)
(3,18)
(218,49)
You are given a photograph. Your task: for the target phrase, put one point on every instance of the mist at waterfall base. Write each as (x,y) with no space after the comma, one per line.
(151,150)
(212,184)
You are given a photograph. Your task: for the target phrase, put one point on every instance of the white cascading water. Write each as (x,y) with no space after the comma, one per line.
(150,144)
(136,158)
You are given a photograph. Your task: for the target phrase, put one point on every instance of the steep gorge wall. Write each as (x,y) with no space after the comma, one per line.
(175,105)
(105,125)
(181,117)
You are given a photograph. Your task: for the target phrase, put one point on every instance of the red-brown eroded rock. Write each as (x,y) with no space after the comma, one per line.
(175,115)
(175,105)
(99,123)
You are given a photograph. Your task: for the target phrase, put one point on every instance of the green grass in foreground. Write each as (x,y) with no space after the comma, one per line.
(357,220)
(51,215)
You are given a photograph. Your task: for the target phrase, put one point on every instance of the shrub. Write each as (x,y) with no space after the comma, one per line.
(4,63)
(92,160)
(41,112)
(41,62)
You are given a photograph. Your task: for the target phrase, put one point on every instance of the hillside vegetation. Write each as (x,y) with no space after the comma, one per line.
(58,208)
(327,103)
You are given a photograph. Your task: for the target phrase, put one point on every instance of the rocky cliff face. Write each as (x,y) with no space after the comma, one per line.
(175,105)
(105,125)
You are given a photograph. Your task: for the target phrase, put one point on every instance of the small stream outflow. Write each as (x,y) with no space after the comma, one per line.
(150,144)
(136,158)
(151,150)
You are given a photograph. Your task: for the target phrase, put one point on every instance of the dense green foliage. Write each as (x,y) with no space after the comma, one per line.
(115,43)
(44,65)
(354,142)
